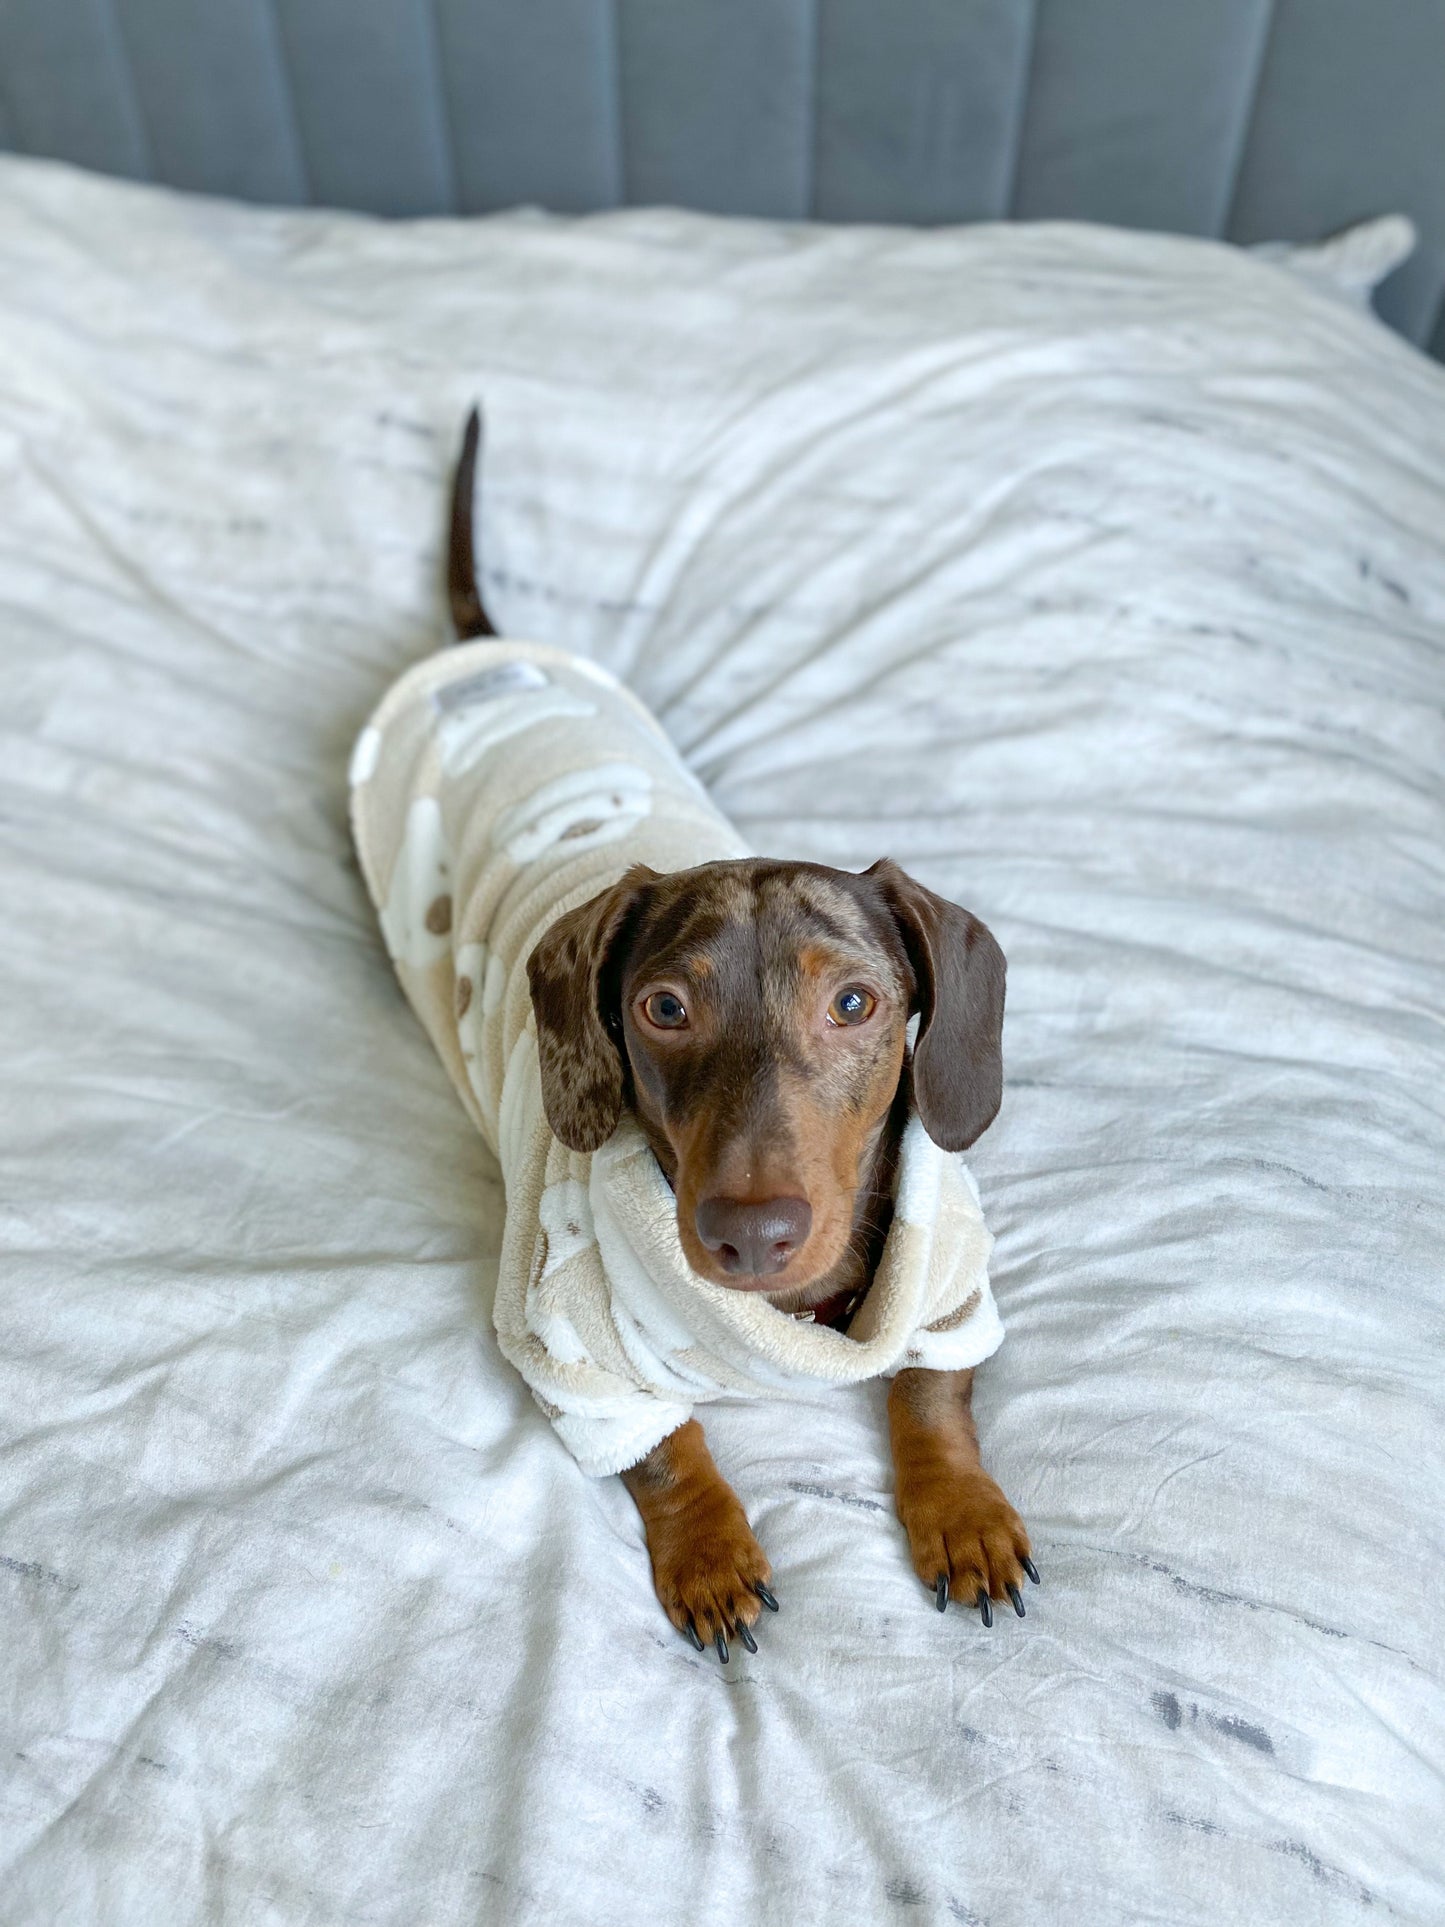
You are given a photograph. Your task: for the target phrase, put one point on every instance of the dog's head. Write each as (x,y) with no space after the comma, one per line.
(754,1016)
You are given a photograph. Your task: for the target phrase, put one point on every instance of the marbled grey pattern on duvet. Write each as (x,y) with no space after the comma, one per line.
(1098,578)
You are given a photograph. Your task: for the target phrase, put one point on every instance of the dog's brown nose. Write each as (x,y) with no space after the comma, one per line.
(753,1240)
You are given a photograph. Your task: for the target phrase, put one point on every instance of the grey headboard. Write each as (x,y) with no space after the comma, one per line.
(1253,119)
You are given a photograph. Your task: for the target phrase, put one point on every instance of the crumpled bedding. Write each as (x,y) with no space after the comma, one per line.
(1097,578)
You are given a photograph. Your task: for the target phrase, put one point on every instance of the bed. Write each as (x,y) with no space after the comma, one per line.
(1099,579)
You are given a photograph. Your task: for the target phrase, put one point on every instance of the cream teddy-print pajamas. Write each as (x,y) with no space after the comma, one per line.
(498,785)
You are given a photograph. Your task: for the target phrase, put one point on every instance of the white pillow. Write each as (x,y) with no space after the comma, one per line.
(1353,262)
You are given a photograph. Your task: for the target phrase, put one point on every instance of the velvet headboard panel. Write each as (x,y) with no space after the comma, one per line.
(1249,119)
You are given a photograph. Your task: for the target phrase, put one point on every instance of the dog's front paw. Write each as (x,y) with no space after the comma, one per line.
(967,1541)
(712,1576)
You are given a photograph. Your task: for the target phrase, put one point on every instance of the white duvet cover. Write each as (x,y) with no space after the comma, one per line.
(1098,579)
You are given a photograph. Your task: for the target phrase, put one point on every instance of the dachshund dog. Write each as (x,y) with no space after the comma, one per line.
(753,1015)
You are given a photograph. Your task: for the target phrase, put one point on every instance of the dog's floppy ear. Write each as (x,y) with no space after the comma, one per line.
(573,974)
(959,971)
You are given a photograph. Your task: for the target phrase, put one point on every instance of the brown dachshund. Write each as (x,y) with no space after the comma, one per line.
(753,1016)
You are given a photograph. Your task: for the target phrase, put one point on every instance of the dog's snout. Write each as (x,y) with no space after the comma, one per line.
(753,1240)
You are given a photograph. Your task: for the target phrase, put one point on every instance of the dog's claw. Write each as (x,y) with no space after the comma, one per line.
(745,1635)
(985,1610)
(767,1598)
(691,1630)
(720,1641)
(1031,1569)
(940,1592)
(1013,1593)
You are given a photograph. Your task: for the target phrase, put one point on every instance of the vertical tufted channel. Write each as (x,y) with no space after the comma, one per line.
(531,95)
(717,104)
(919,104)
(1137,112)
(213,96)
(65,87)
(1350,122)
(364,79)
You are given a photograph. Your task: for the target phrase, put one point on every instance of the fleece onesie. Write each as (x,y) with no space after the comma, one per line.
(497,786)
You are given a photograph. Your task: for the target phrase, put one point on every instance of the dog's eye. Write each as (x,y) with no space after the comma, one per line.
(665,1011)
(855,1005)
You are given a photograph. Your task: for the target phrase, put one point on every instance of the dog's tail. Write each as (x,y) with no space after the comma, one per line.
(469,614)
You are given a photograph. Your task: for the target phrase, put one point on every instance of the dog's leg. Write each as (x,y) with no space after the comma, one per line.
(967,1541)
(711,1574)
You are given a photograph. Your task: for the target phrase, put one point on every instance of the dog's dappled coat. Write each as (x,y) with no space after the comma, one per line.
(497,786)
